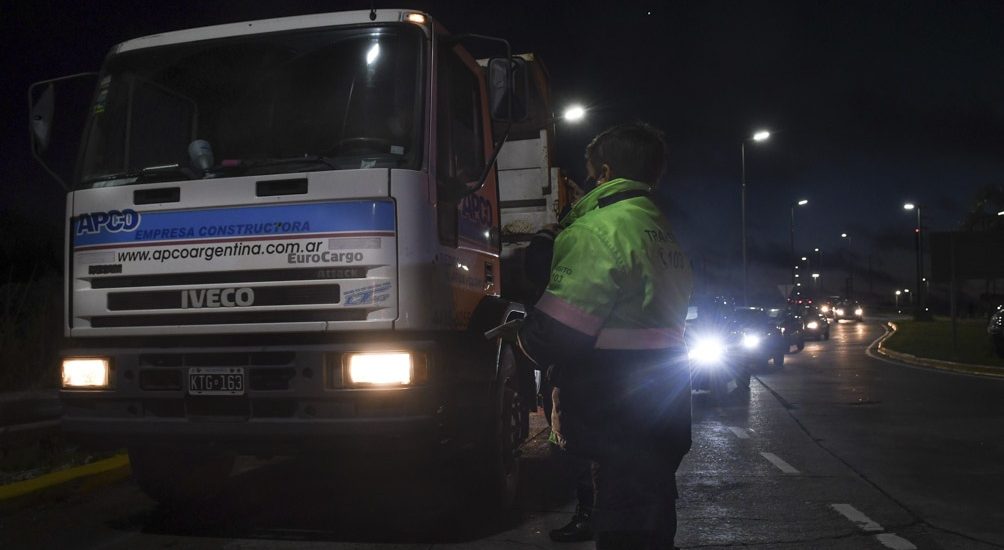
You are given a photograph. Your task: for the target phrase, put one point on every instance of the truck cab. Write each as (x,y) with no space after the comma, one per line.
(287,235)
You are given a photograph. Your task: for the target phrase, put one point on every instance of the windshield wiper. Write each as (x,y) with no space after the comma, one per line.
(228,165)
(145,174)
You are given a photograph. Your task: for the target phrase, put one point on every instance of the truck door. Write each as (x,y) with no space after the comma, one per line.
(468,227)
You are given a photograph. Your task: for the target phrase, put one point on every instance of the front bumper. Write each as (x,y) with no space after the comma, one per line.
(294,400)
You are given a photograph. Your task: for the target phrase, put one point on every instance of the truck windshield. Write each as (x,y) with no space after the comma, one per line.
(270,103)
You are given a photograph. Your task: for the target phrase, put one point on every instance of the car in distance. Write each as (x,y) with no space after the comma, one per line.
(711,347)
(817,326)
(995,328)
(848,310)
(757,337)
(826,305)
(791,326)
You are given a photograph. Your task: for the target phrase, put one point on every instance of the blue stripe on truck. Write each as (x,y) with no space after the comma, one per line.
(129,226)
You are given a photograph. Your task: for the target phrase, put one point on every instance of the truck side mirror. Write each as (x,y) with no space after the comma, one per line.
(54,144)
(508,89)
(41,118)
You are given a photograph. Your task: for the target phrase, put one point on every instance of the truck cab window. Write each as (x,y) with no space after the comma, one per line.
(460,147)
(461,140)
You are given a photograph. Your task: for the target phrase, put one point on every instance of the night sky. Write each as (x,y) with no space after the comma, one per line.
(872,104)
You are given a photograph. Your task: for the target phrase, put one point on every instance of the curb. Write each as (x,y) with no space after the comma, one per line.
(78,478)
(985,371)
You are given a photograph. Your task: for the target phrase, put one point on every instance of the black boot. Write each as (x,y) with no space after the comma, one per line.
(577,530)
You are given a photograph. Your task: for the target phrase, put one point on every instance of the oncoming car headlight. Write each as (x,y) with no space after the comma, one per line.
(751,341)
(812,325)
(859,312)
(838,311)
(825,309)
(707,350)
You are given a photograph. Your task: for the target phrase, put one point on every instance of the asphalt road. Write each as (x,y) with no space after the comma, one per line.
(835,451)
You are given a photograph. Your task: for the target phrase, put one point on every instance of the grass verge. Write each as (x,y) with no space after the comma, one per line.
(933,340)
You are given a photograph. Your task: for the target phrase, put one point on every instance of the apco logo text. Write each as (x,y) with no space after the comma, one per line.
(112,221)
(217,297)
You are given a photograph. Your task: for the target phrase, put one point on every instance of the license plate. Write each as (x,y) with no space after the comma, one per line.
(216,381)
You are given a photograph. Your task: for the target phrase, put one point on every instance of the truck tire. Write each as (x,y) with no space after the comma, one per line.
(501,468)
(173,477)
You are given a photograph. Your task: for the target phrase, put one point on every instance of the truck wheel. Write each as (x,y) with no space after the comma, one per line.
(170,476)
(779,359)
(502,464)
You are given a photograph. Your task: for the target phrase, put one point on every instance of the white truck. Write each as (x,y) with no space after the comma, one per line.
(287,236)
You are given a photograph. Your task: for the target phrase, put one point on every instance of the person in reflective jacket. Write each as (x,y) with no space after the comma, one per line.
(611,322)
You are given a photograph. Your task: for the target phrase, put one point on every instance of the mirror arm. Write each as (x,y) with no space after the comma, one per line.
(508,77)
(31,139)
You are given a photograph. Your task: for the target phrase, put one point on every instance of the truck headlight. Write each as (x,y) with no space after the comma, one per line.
(751,341)
(379,369)
(812,325)
(707,351)
(86,372)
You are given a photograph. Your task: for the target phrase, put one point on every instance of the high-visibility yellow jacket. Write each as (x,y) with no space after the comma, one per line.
(613,315)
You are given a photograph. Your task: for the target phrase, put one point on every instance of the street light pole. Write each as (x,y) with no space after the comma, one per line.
(850,266)
(918,302)
(760,135)
(742,156)
(791,229)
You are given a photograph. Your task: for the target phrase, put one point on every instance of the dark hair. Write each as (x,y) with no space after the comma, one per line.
(635,151)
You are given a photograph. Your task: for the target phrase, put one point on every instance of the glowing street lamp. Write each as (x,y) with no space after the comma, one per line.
(574,113)
(758,136)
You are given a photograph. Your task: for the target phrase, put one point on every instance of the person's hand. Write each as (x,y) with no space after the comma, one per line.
(506,331)
(555,413)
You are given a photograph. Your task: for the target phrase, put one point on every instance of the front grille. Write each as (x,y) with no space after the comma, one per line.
(218,407)
(260,296)
(221,277)
(159,380)
(221,359)
(227,317)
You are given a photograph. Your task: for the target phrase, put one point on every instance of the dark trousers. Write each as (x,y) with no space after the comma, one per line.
(635,502)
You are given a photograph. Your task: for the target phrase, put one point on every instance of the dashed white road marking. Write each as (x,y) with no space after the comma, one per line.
(857,517)
(894,541)
(781,464)
(740,433)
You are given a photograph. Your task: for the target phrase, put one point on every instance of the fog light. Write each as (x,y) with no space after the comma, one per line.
(85,372)
(379,369)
